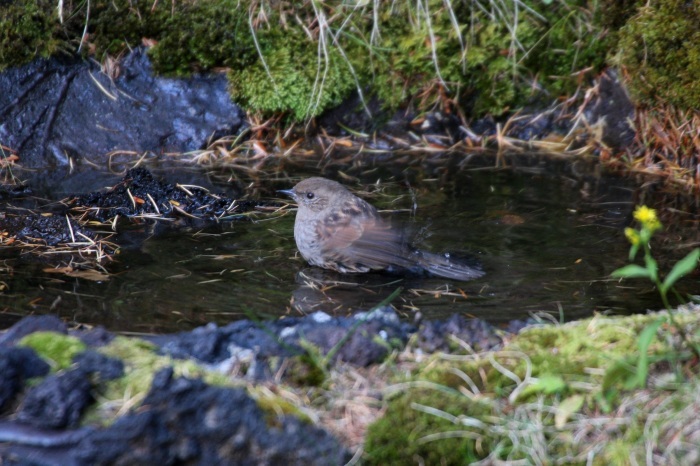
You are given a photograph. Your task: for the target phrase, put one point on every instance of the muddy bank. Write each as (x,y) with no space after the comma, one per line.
(608,109)
(185,419)
(83,225)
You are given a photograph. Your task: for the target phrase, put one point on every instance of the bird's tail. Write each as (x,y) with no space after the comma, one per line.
(446,266)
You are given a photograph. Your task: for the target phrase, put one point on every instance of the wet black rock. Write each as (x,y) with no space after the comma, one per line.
(612,107)
(181,421)
(355,340)
(185,421)
(29,325)
(515,326)
(101,366)
(58,114)
(50,230)
(94,337)
(362,339)
(482,127)
(354,115)
(535,127)
(17,365)
(138,195)
(58,401)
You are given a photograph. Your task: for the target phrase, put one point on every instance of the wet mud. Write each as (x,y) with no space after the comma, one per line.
(139,194)
(86,224)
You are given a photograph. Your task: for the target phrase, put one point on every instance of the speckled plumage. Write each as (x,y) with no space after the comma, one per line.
(337,230)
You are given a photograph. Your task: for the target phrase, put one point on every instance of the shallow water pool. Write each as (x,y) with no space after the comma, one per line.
(548,234)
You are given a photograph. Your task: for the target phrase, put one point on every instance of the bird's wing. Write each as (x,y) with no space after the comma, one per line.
(358,239)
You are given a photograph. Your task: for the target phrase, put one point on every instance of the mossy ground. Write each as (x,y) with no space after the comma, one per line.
(57,350)
(141,362)
(551,393)
(660,48)
(301,59)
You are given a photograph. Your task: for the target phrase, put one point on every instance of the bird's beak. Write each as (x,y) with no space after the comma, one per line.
(288,192)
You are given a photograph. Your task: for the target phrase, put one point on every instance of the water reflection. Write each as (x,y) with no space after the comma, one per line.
(548,239)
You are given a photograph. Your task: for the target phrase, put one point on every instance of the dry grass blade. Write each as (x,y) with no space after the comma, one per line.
(667,146)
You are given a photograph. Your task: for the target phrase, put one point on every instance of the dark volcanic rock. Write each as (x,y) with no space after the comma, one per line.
(181,421)
(138,195)
(31,324)
(58,401)
(353,339)
(17,365)
(104,367)
(185,421)
(59,112)
(613,107)
(94,337)
(49,230)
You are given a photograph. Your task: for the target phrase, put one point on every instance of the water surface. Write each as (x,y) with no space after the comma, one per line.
(547,233)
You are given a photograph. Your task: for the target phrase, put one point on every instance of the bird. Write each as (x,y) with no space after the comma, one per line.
(337,230)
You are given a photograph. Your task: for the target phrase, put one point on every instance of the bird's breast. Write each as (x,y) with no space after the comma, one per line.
(307,239)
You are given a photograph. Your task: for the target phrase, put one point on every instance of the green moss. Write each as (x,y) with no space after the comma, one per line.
(510,420)
(58,349)
(300,59)
(614,14)
(292,79)
(25,31)
(202,35)
(572,39)
(660,47)
(141,363)
(570,352)
(306,370)
(116,25)
(485,58)
(275,406)
(617,452)
(397,51)
(399,437)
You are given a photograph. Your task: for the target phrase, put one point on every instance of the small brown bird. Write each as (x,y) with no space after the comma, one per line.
(337,230)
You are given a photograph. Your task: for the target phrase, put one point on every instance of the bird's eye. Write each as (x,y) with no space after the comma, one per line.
(309,195)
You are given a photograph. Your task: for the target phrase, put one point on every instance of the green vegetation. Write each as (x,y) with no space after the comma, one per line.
(26,32)
(292,79)
(202,35)
(56,348)
(300,59)
(660,48)
(488,56)
(141,363)
(534,400)
(641,238)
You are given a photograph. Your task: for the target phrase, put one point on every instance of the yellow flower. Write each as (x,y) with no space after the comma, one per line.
(647,217)
(632,236)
